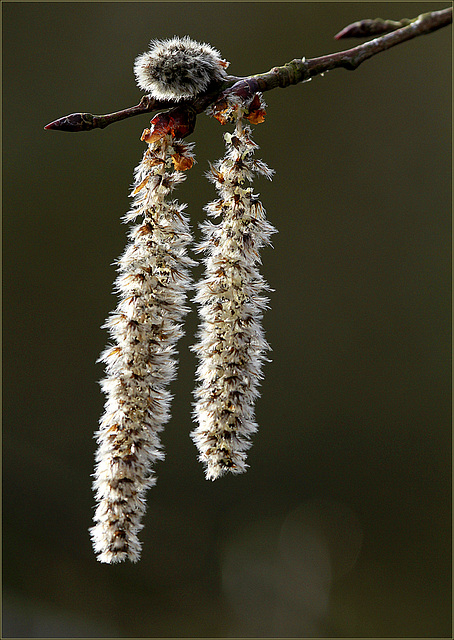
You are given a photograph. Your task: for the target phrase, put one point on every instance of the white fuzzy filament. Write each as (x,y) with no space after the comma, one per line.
(231,343)
(152,284)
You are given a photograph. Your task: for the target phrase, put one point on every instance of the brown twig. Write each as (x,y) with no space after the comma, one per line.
(298,70)
(367,28)
(87,121)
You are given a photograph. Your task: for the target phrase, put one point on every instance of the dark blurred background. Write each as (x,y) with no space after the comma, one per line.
(341,526)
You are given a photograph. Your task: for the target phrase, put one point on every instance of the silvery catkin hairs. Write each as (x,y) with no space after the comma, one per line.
(231,347)
(152,283)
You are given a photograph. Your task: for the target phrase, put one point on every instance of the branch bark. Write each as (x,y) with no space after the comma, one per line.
(298,70)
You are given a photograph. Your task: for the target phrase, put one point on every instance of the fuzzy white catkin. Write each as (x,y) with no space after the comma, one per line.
(232,346)
(178,68)
(152,283)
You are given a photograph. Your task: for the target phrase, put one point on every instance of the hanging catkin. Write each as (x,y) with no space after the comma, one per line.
(232,346)
(152,284)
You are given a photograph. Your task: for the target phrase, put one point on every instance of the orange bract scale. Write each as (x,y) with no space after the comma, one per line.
(181,163)
(217,174)
(141,185)
(256,117)
(152,136)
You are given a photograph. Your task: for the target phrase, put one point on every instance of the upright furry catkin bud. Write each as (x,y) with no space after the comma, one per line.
(178,68)
(231,343)
(152,283)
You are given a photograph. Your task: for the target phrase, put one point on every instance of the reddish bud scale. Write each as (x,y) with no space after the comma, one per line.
(178,122)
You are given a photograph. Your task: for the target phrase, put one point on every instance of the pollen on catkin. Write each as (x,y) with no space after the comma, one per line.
(231,346)
(178,68)
(152,283)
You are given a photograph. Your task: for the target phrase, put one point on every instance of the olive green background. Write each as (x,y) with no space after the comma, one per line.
(341,526)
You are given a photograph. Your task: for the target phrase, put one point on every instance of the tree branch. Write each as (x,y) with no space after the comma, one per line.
(298,70)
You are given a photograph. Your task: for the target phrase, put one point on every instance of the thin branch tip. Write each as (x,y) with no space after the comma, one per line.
(378,26)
